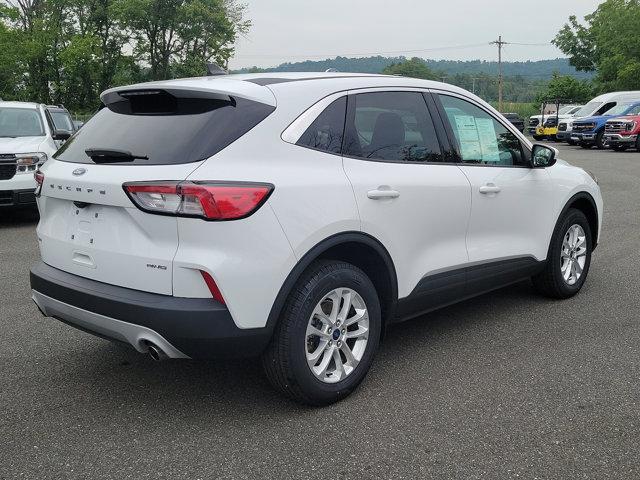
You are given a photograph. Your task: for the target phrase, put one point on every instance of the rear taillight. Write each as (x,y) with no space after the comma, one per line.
(39,177)
(207,200)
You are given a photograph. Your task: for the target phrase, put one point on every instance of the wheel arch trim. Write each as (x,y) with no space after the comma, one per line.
(316,252)
(572,201)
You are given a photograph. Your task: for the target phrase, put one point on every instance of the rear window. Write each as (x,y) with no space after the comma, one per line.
(165,130)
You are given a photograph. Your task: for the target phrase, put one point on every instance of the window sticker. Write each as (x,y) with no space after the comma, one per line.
(470,148)
(478,140)
(488,140)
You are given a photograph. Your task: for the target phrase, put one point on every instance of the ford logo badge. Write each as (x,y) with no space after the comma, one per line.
(79,171)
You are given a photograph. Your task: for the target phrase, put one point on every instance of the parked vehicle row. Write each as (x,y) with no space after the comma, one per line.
(590,131)
(30,133)
(609,120)
(295,216)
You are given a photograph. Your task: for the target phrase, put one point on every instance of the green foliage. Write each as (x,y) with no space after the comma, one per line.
(531,70)
(414,68)
(68,51)
(608,43)
(565,87)
(522,83)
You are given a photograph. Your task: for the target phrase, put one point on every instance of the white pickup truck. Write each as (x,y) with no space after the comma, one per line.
(30,133)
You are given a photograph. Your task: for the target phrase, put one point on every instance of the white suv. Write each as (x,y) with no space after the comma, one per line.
(29,134)
(296,216)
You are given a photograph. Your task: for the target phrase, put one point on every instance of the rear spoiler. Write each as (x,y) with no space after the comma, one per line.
(213,88)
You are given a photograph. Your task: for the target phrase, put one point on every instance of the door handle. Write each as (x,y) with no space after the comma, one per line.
(380,193)
(489,188)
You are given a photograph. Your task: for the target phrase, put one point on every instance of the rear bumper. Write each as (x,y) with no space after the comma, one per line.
(181,327)
(17,198)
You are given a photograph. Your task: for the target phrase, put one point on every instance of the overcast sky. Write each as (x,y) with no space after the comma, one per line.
(293,30)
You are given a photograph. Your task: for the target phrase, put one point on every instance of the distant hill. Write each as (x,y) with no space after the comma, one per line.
(540,69)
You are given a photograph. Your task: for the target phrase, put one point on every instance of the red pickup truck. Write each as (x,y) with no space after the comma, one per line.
(621,133)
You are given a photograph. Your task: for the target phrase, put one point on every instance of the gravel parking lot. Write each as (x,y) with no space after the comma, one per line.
(508,385)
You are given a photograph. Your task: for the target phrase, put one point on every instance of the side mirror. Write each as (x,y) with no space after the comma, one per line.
(61,134)
(543,156)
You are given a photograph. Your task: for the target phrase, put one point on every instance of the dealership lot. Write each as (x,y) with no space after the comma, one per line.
(508,385)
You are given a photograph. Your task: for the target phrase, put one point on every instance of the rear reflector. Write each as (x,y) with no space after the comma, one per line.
(39,177)
(207,200)
(213,288)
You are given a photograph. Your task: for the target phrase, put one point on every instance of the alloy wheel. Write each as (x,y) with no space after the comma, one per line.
(337,335)
(573,254)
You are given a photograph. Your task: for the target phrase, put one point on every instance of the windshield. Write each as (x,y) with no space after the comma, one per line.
(566,110)
(588,109)
(20,122)
(624,109)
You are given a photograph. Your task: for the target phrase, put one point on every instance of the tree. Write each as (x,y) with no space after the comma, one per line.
(608,43)
(182,35)
(415,68)
(566,87)
(12,67)
(68,51)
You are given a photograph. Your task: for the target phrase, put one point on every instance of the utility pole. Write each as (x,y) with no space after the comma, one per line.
(443,78)
(473,89)
(499,43)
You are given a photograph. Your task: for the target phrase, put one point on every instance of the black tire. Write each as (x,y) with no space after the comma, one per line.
(600,140)
(284,360)
(637,144)
(550,281)
(619,148)
(572,143)
(538,137)
(586,145)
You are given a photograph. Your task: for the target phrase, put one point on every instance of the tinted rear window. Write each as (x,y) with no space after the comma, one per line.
(194,129)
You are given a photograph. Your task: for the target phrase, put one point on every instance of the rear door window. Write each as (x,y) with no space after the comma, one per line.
(165,130)
(392,126)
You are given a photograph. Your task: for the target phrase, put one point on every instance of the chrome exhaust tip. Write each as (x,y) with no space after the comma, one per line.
(156,353)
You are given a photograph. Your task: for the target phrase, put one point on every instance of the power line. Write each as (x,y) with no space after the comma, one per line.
(532,44)
(389,52)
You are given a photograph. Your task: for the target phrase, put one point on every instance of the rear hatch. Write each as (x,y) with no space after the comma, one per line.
(88,225)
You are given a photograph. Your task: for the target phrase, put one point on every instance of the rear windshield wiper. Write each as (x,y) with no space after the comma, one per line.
(103,155)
